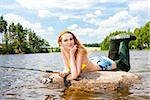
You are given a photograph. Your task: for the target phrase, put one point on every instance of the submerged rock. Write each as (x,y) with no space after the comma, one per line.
(95,81)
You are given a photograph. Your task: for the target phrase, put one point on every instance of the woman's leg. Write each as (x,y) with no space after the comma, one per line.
(113,52)
(119,51)
(123,63)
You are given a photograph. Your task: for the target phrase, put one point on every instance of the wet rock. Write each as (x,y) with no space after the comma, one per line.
(52,80)
(96,81)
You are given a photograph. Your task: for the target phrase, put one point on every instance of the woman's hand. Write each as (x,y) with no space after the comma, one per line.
(63,74)
(73,50)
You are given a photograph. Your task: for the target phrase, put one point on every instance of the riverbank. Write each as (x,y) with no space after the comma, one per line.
(90,49)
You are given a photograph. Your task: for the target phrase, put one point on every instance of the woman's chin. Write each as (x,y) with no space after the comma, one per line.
(68,49)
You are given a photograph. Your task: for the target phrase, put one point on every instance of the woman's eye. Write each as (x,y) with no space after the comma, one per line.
(65,40)
(71,38)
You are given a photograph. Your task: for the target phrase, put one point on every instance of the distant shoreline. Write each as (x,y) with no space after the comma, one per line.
(92,49)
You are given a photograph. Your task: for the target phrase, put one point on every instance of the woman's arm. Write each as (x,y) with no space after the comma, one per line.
(76,64)
(73,67)
(79,62)
(65,61)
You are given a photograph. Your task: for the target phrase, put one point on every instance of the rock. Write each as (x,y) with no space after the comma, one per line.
(96,81)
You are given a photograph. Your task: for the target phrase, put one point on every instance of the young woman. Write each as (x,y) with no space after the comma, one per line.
(76,60)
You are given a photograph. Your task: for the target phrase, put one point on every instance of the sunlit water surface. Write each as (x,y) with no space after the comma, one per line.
(19,84)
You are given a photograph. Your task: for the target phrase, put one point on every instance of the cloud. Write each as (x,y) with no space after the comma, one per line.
(73,27)
(86,33)
(45,13)
(50,29)
(65,17)
(37,27)
(116,1)
(93,15)
(120,21)
(142,5)
(91,18)
(97,12)
(65,4)
(81,31)
(10,17)
(9,6)
(60,15)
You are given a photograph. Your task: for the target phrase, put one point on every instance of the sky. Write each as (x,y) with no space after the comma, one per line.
(90,20)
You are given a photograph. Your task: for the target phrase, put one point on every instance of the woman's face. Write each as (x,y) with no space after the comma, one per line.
(67,41)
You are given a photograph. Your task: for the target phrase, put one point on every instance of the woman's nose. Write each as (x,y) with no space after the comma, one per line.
(69,41)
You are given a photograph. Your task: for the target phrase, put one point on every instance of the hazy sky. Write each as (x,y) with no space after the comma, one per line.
(90,20)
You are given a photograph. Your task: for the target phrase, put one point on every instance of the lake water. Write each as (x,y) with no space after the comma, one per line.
(19,84)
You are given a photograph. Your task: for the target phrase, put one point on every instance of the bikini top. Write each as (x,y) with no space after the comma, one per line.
(83,66)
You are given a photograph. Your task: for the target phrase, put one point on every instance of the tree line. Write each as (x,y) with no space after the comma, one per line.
(92,45)
(15,39)
(142,34)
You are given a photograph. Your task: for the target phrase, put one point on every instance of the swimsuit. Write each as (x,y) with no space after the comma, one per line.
(104,62)
(82,67)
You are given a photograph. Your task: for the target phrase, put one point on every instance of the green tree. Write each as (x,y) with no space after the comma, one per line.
(16,39)
(143,36)
(105,43)
(3,27)
(146,34)
(4,35)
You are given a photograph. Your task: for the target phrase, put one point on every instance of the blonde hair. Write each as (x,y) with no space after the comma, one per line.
(80,47)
